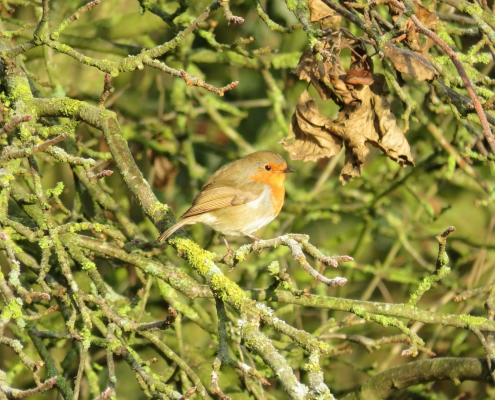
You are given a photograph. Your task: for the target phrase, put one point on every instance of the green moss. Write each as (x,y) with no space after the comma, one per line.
(88,264)
(67,106)
(20,89)
(274,268)
(315,367)
(113,345)
(13,310)
(443,258)
(45,243)
(56,191)
(125,325)
(86,335)
(6,178)
(123,311)
(471,320)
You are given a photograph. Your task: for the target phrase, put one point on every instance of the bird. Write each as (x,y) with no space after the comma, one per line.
(240,198)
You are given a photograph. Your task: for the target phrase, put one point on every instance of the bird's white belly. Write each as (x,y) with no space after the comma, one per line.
(246,218)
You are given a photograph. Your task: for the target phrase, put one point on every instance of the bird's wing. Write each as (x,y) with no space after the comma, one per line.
(213,198)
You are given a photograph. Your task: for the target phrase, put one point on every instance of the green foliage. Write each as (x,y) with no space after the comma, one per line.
(163,93)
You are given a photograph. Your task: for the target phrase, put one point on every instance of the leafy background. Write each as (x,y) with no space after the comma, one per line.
(386,219)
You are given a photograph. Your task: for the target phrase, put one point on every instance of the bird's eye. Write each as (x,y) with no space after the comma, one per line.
(268,168)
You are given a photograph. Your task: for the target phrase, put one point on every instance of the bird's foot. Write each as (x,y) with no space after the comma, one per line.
(256,239)
(229,258)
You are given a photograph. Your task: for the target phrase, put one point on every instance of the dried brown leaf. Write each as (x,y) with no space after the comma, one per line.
(312,131)
(324,91)
(427,18)
(316,72)
(309,68)
(367,119)
(364,118)
(370,120)
(320,12)
(410,63)
(360,58)
(392,140)
(358,77)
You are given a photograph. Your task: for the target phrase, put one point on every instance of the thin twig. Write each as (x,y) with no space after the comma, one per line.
(43,24)
(231,18)
(105,394)
(21,394)
(11,155)
(298,244)
(473,292)
(16,120)
(107,90)
(83,352)
(74,17)
(160,325)
(462,72)
(490,357)
(190,80)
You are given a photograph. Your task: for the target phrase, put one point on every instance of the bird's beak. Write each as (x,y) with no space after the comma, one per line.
(288,170)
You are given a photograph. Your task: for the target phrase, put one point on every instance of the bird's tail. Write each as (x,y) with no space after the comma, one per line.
(165,235)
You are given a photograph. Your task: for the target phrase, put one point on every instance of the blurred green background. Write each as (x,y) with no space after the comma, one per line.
(386,220)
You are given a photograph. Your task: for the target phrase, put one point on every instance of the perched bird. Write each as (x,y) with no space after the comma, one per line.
(240,198)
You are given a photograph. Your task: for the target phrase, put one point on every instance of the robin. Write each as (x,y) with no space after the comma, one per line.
(240,198)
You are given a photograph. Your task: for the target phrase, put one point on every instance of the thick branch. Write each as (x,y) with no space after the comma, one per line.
(386,383)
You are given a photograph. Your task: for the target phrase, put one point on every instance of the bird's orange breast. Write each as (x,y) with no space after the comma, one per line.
(274,179)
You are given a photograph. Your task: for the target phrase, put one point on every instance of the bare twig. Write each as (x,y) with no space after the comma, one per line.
(74,17)
(16,120)
(298,244)
(160,325)
(107,90)
(190,80)
(441,268)
(188,393)
(462,72)
(39,32)
(467,83)
(298,255)
(224,358)
(473,292)
(21,394)
(93,178)
(489,347)
(384,384)
(231,18)
(13,154)
(105,394)
(28,362)
(83,352)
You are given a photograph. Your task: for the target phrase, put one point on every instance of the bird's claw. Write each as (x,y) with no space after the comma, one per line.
(229,259)
(255,245)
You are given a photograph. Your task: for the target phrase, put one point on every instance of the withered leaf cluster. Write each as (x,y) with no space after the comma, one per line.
(427,18)
(320,12)
(414,62)
(410,63)
(364,116)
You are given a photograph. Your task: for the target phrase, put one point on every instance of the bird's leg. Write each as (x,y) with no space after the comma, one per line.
(229,250)
(229,257)
(255,238)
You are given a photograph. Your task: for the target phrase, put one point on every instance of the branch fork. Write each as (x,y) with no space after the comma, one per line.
(298,245)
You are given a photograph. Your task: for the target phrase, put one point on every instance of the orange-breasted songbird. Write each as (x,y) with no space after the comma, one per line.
(240,198)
